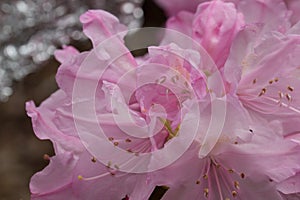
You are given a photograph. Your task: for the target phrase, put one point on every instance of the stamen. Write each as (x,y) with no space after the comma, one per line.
(197,182)
(276,79)
(80,177)
(254,81)
(110,138)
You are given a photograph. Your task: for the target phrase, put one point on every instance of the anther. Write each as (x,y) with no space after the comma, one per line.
(254,81)
(205,176)
(290,88)
(93,159)
(276,79)
(110,138)
(175,78)
(128,140)
(280,94)
(242,175)
(236,184)
(117,167)
(108,164)
(206,192)
(129,151)
(116,143)
(80,177)
(162,79)
(263,91)
(234,193)
(288,97)
(46,157)
(197,182)
(112,173)
(230,171)
(270,82)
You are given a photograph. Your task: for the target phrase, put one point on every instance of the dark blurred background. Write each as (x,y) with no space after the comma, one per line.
(21,153)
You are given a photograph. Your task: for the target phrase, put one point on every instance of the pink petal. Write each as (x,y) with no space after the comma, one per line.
(215,25)
(290,185)
(172,7)
(99,25)
(42,182)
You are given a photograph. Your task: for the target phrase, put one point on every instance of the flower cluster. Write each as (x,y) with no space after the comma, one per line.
(211,113)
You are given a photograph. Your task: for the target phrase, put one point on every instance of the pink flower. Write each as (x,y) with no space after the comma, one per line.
(274,14)
(139,110)
(242,165)
(263,71)
(213,26)
(215,23)
(172,7)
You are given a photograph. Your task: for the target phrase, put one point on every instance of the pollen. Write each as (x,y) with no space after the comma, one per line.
(80,177)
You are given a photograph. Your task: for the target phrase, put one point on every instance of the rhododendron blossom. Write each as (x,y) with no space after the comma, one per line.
(210,113)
